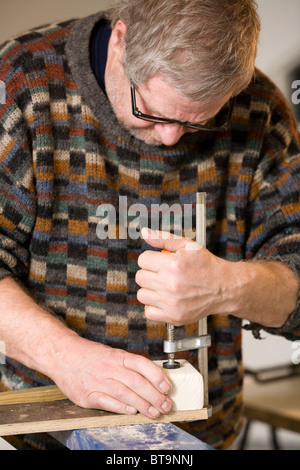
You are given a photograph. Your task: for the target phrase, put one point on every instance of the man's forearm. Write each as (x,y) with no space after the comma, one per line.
(30,334)
(268,292)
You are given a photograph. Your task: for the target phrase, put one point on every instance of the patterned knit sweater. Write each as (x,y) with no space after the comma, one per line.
(63,154)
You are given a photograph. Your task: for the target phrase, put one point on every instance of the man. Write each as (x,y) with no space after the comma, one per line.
(139,108)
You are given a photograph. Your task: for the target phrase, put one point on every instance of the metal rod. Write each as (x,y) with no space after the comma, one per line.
(202,324)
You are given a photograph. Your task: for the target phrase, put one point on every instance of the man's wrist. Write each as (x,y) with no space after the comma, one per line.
(268,292)
(52,349)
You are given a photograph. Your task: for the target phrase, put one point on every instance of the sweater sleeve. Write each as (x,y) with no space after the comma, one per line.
(17,197)
(274,209)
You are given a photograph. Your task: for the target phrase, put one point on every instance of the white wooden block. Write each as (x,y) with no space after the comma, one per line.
(187,391)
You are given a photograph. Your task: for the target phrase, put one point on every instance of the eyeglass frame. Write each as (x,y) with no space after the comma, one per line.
(146,117)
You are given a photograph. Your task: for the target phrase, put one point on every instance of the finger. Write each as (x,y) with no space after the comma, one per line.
(148,297)
(166,241)
(157,314)
(142,394)
(148,369)
(135,392)
(159,235)
(118,398)
(148,279)
(153,260)
(103,401)
(160,315)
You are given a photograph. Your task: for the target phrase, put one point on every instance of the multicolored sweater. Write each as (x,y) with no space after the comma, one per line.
(63,154)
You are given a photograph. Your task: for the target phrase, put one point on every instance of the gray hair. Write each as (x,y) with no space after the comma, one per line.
(205,49)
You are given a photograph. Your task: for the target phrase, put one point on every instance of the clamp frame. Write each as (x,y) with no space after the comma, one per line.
(188,343)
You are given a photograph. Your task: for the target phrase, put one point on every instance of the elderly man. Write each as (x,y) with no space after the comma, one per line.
(150,104)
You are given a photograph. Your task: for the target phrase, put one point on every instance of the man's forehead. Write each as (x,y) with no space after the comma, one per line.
(161,98)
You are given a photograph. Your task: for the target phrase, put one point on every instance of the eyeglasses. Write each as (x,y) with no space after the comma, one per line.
(220,122)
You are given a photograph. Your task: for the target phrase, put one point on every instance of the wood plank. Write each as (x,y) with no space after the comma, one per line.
(46,409)
(63,415)
(32,395)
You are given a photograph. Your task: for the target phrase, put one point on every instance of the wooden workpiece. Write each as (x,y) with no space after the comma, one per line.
(187,391)
(37,411)
(31,395)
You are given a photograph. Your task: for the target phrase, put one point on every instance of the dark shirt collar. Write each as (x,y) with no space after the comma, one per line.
(98,50)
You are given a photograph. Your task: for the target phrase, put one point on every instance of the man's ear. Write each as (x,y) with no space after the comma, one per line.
(118,34)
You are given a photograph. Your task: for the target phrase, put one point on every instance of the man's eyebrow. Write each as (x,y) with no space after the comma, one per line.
(158,114)
(148,107)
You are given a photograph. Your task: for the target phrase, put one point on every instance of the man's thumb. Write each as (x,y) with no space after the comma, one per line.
(168,241)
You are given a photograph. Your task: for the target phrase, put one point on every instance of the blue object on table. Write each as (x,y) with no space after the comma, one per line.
(159,436)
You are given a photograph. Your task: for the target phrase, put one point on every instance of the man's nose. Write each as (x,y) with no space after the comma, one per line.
(169,133)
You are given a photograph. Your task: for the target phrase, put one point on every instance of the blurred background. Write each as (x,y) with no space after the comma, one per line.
(278,56)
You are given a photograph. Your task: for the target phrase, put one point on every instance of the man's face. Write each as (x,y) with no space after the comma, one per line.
(155,98)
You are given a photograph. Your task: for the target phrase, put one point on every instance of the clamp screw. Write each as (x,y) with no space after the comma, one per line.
(171,363)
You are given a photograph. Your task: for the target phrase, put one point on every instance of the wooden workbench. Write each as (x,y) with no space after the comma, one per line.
(276,403)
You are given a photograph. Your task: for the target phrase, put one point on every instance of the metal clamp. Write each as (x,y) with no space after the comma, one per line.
(185,344)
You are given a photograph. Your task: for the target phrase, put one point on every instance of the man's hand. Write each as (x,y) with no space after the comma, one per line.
(90,374)
(190,283)
(183,285)
(96,376)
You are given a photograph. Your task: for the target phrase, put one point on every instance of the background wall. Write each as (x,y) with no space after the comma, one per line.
(278,54)
(18,15)
(279,48)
